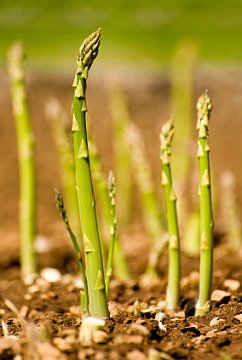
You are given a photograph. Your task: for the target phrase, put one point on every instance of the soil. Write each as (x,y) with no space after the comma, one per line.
(46,319)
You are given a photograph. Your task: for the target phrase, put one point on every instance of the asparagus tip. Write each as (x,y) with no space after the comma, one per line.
(16,56)
(88,52)
(166,136)
(204,107)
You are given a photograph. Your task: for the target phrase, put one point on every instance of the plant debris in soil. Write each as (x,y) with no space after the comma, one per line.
(42,320)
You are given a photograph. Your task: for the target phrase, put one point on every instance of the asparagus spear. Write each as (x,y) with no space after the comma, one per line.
(27,202)
(100,185)
(173,286)
(151,211)
(61,207)
(113,229)
(86,202)
(120,117)
(57,122)
(204,107)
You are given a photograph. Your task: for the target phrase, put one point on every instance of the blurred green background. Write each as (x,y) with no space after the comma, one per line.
(137,32)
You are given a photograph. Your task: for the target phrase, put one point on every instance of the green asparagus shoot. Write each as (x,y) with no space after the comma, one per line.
(61,207)
(86,202)
(58,123)
(151,212)
(27,202)
(113,229)
(100,186)
(173,286)
(204,107)
(121,120)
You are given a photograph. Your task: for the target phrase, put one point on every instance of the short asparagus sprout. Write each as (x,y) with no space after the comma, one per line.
(100,185)
(61,207)
(204,107)
(113,229)
(86,202)
(27,202)
(173,287)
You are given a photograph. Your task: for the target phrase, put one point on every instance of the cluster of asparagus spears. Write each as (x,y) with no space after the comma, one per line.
(88,247)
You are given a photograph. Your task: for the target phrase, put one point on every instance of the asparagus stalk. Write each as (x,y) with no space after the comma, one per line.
(120,264)
(204,107)
(173,286)
(113,229)
(182,81)
(57,123)
(121,120)
(27,202)
(151,212)
(86,202)
(61,207)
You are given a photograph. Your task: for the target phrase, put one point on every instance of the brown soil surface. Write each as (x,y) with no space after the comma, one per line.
(53,309)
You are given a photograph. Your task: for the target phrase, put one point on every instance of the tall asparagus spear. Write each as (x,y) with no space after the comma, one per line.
(173,287)
(27,216)
(204,107)
(86,202)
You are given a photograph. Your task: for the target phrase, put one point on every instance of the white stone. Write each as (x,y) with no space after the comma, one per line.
(51,275)
(231,284)
(219,295)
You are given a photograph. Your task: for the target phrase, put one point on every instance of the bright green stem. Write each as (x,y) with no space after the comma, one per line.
(57,122)
(173,286)
(204,107)
(113,229)
(151,212)
(61,207)
(27,211)
(121,120)
(120,263)
(86,202)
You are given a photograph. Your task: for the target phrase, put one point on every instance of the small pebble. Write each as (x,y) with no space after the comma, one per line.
(62,344)
(128,339)
(220,295)
(33,289)
(231,284)
(136,355)
(136,329)
(75,310)
(113,309)
(100,337)
(238,317)
(51,275)
(42,244)
(27,297)
(216,321)
(78,283)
